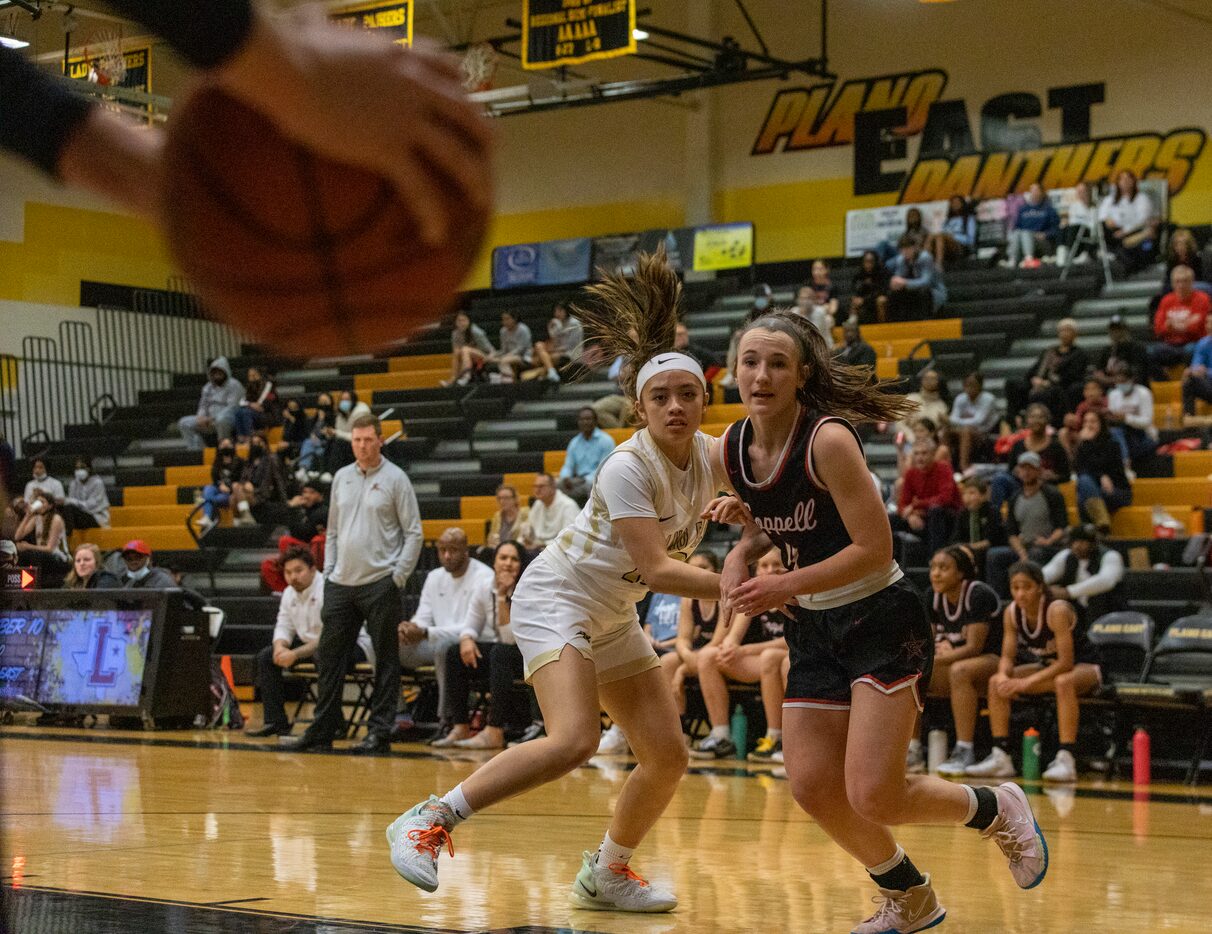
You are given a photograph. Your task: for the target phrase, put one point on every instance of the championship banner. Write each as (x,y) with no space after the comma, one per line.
(515,266)
(723,246)
(138,68)
(566,32)
(394,18)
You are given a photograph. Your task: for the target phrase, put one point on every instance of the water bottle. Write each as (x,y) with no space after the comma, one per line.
(740,732)
(1031,752)
(1141,757)
(936,749)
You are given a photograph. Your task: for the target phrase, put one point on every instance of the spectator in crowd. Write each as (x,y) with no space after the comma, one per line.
(563,345)
(87,572)
(469,349)
(510,519)
(963,611)
(41,538)
(1102,484)
(869,290)
(1093,398)
(974,417)
(752,651)
(698,626)
(1088,575)
(914,226)
(614,410)
(932,404)
(978,527)
(854,350)
(707,359)
(340,437)
(260,408)
(217,406)
(763,298)
(442,614)
(261,489)
(1196,382)
(816,300)
(1130,415)
(87,502)
(225,472)
(921,429)
(1081,220)
(9,556)
(486,654)
(928,501)
(1056,377)
(140,574)
(551,512)
(1122,347)
(1040,438)
(1130,221)
(1035,523)
(307,520)
(958,236)
(1035,230)
(296,429)
(1182,250)
(517,347)
(314,452)
(374,538)
(296,638)
(1044,650)
(915,289)
(1180,321)
(42,480)
(586,451)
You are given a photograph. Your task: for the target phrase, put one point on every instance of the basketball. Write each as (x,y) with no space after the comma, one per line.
(302,252)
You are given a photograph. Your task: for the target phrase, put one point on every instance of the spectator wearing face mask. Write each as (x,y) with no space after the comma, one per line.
(45,482)
(87,503)
(313,452)
(216,407)
(225,472)
(340,451)
(260,407)
(139,573)
(41,539)
(261,486)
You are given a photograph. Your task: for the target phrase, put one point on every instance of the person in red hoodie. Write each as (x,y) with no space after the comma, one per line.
(1181,320)
(929,499)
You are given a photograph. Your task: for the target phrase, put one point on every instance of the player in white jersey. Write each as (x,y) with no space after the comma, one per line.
(573,611)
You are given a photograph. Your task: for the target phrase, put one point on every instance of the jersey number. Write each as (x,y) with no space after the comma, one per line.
(791,557)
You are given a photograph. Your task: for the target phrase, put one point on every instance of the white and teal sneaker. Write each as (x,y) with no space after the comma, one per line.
(616,888)
(417,837)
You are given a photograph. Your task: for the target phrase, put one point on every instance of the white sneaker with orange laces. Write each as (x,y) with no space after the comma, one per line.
(417,837)
(616,888)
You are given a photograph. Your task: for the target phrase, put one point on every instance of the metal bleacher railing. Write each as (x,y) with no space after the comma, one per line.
(93,368)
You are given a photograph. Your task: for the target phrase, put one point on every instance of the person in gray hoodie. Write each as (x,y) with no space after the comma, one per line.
(216,407)
(87,503)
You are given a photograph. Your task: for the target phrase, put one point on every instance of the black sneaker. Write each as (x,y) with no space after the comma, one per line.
(714,747)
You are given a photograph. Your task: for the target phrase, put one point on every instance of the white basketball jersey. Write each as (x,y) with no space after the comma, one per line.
(592,554)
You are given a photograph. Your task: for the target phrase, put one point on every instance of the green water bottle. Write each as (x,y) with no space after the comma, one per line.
(1031,755)
(740,732)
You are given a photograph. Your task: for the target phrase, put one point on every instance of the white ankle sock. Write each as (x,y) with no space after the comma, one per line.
(454,800)
(915,745)
(719,732)
(775,735)
(961,746)
(972,802)
(610,852)
(889,864)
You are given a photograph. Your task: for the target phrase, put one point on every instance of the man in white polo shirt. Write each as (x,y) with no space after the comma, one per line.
(296,637)
(550,515)
(443,609)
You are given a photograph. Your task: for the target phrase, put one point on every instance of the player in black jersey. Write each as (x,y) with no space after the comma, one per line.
(1044,650)
(697,627)
(966,616)
(860,643)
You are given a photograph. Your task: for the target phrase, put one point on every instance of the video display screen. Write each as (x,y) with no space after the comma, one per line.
(21,637)
(94,657)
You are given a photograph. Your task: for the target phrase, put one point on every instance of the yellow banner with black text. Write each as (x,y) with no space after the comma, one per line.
(566,32)
(392,19)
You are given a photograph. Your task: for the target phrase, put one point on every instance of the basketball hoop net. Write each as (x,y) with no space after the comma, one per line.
(479,67)
(109,66)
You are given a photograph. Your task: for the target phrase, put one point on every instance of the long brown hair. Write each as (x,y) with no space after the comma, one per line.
(635,317)
(850,392)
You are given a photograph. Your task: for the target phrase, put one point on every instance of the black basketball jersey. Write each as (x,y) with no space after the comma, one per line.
(977,604)
(704,624)
(790,506)
(764,627)
(1036,640)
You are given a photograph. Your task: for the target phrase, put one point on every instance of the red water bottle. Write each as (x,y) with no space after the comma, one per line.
(1140,757)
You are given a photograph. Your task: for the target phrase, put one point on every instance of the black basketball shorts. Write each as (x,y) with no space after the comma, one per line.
(884,640)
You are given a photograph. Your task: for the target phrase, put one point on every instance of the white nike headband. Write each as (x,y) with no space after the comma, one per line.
(668,361)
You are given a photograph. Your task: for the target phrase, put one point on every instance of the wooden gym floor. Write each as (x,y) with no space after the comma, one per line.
(185,832)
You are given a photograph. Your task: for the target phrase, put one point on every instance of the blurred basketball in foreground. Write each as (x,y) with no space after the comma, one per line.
(306,254)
